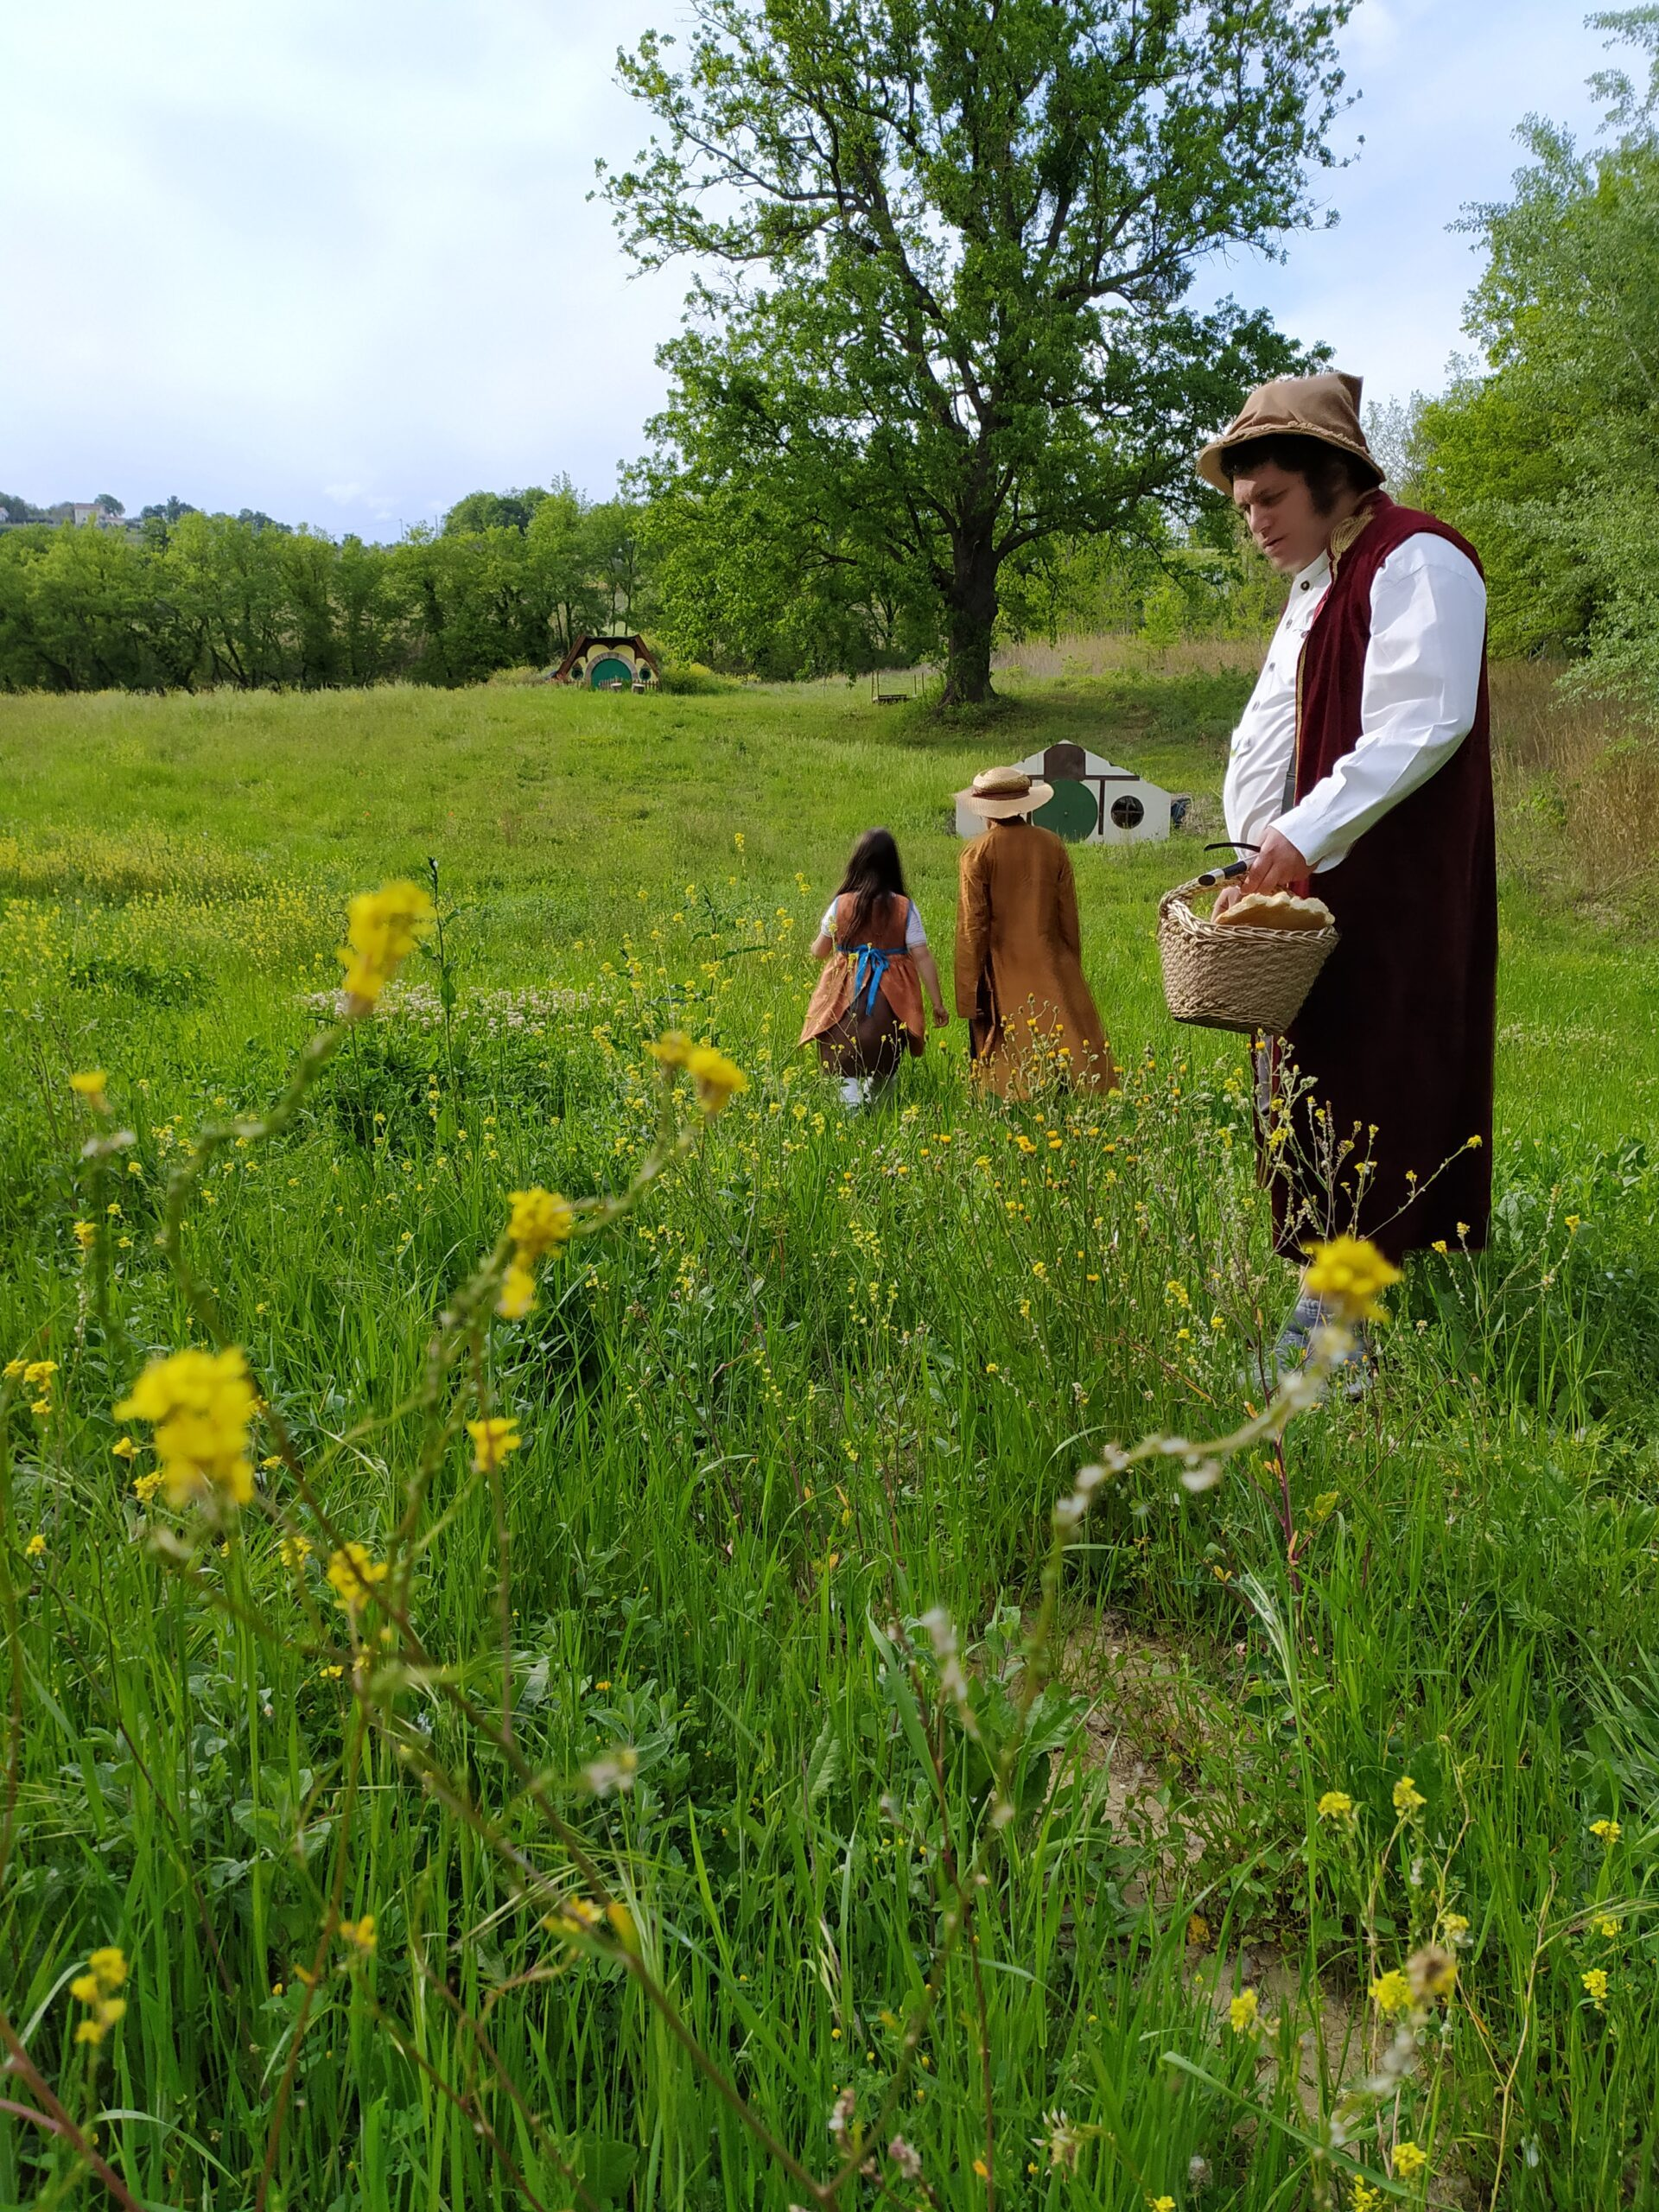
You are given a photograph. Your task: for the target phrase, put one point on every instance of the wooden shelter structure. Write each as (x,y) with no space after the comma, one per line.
(1094,803)
(599,664)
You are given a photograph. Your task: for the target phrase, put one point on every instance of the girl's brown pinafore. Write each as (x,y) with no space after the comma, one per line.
(888,965)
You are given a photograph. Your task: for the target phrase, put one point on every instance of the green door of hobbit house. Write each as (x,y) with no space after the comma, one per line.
(1073,812)
(610,674)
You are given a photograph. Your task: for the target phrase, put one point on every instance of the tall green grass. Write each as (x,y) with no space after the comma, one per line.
(829,1376)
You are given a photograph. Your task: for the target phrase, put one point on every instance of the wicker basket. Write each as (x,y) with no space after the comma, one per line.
(1234,978)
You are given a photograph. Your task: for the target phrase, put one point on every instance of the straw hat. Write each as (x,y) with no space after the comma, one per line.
(1325,408)
(1000,793)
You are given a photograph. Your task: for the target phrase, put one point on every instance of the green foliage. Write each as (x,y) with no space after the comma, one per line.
(1550,459)
(202,601)
(949,249)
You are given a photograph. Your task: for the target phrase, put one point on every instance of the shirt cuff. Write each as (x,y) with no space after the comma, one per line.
(1314,838)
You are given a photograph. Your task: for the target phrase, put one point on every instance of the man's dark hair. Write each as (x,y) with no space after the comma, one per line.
(873,872)
(1327,471)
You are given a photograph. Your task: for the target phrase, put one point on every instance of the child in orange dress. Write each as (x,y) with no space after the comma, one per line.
(867,1006)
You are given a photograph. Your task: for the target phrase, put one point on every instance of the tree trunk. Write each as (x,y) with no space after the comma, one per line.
(970,620)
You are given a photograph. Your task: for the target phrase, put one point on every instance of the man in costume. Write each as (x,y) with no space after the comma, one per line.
(1361,772)
(1019,981)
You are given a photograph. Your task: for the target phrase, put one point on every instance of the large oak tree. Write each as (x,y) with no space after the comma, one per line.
(943,253)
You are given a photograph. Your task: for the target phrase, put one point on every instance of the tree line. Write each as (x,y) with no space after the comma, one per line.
(190,601)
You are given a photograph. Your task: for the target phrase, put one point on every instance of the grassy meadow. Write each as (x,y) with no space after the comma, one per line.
(695,1817)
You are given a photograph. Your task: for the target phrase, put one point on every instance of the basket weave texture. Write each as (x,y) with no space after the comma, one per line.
(1238,978)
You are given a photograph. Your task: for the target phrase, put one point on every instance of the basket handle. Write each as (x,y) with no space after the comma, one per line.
(1212,876)
(1180,893)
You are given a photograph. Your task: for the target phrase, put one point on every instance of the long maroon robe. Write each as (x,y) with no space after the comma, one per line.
(1397,1032)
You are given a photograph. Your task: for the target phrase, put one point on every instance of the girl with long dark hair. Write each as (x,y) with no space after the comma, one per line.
(867,1006)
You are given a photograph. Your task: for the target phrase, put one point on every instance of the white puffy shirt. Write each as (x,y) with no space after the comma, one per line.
(1417,703)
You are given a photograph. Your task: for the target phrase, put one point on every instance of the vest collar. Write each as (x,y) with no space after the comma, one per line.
(1346,531)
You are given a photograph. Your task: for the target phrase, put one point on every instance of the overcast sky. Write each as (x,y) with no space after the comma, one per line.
(333,259)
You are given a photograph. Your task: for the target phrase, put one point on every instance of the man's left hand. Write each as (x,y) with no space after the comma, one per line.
(1276,867)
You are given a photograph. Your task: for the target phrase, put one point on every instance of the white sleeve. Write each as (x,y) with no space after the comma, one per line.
(914,933)
(827,926)
(1417,699)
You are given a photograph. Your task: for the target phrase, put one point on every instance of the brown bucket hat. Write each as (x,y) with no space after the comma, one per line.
(1323,407)
(1001,793)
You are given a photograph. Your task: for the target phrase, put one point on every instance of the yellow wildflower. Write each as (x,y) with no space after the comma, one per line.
(1336,1805)
(1349,1274)
(145,1486)
(1408,2159)
(294,1552)
(352,1575)
(673,1048)
(1391,1993)
(92,1084)
(1241,2013)
(1432,1972)
(539,1223)
(108,1965)
(1609,1831)
(86,1235)
(1407,1798)
(1161,2203)
(717,1078)
(39,1372)
(384,929)
(201,1404)
(124,1448)
(1595,1988)
(360,1934)
(1606,1925)
(106,1970)
(493,1441)
(1365,2198)
(575,1916)
(621,1922)
(12,1369)
(35,1547)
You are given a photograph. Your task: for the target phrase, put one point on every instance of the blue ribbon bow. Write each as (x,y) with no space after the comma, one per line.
(872,966)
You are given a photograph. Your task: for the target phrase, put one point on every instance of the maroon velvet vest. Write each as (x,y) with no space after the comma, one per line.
(1398,1034)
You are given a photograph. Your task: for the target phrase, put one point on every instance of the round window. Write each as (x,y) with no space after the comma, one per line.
(1128,811)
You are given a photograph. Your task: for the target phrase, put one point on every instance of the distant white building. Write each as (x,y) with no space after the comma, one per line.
(1094,803)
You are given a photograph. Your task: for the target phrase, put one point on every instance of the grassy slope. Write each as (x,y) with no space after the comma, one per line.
(550,810)
(835,1374)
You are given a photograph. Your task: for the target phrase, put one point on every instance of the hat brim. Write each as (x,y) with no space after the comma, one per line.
(998,806)
(1209,461)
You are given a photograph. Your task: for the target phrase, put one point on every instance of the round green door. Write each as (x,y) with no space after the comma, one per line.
(1073,812)
(610,670)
